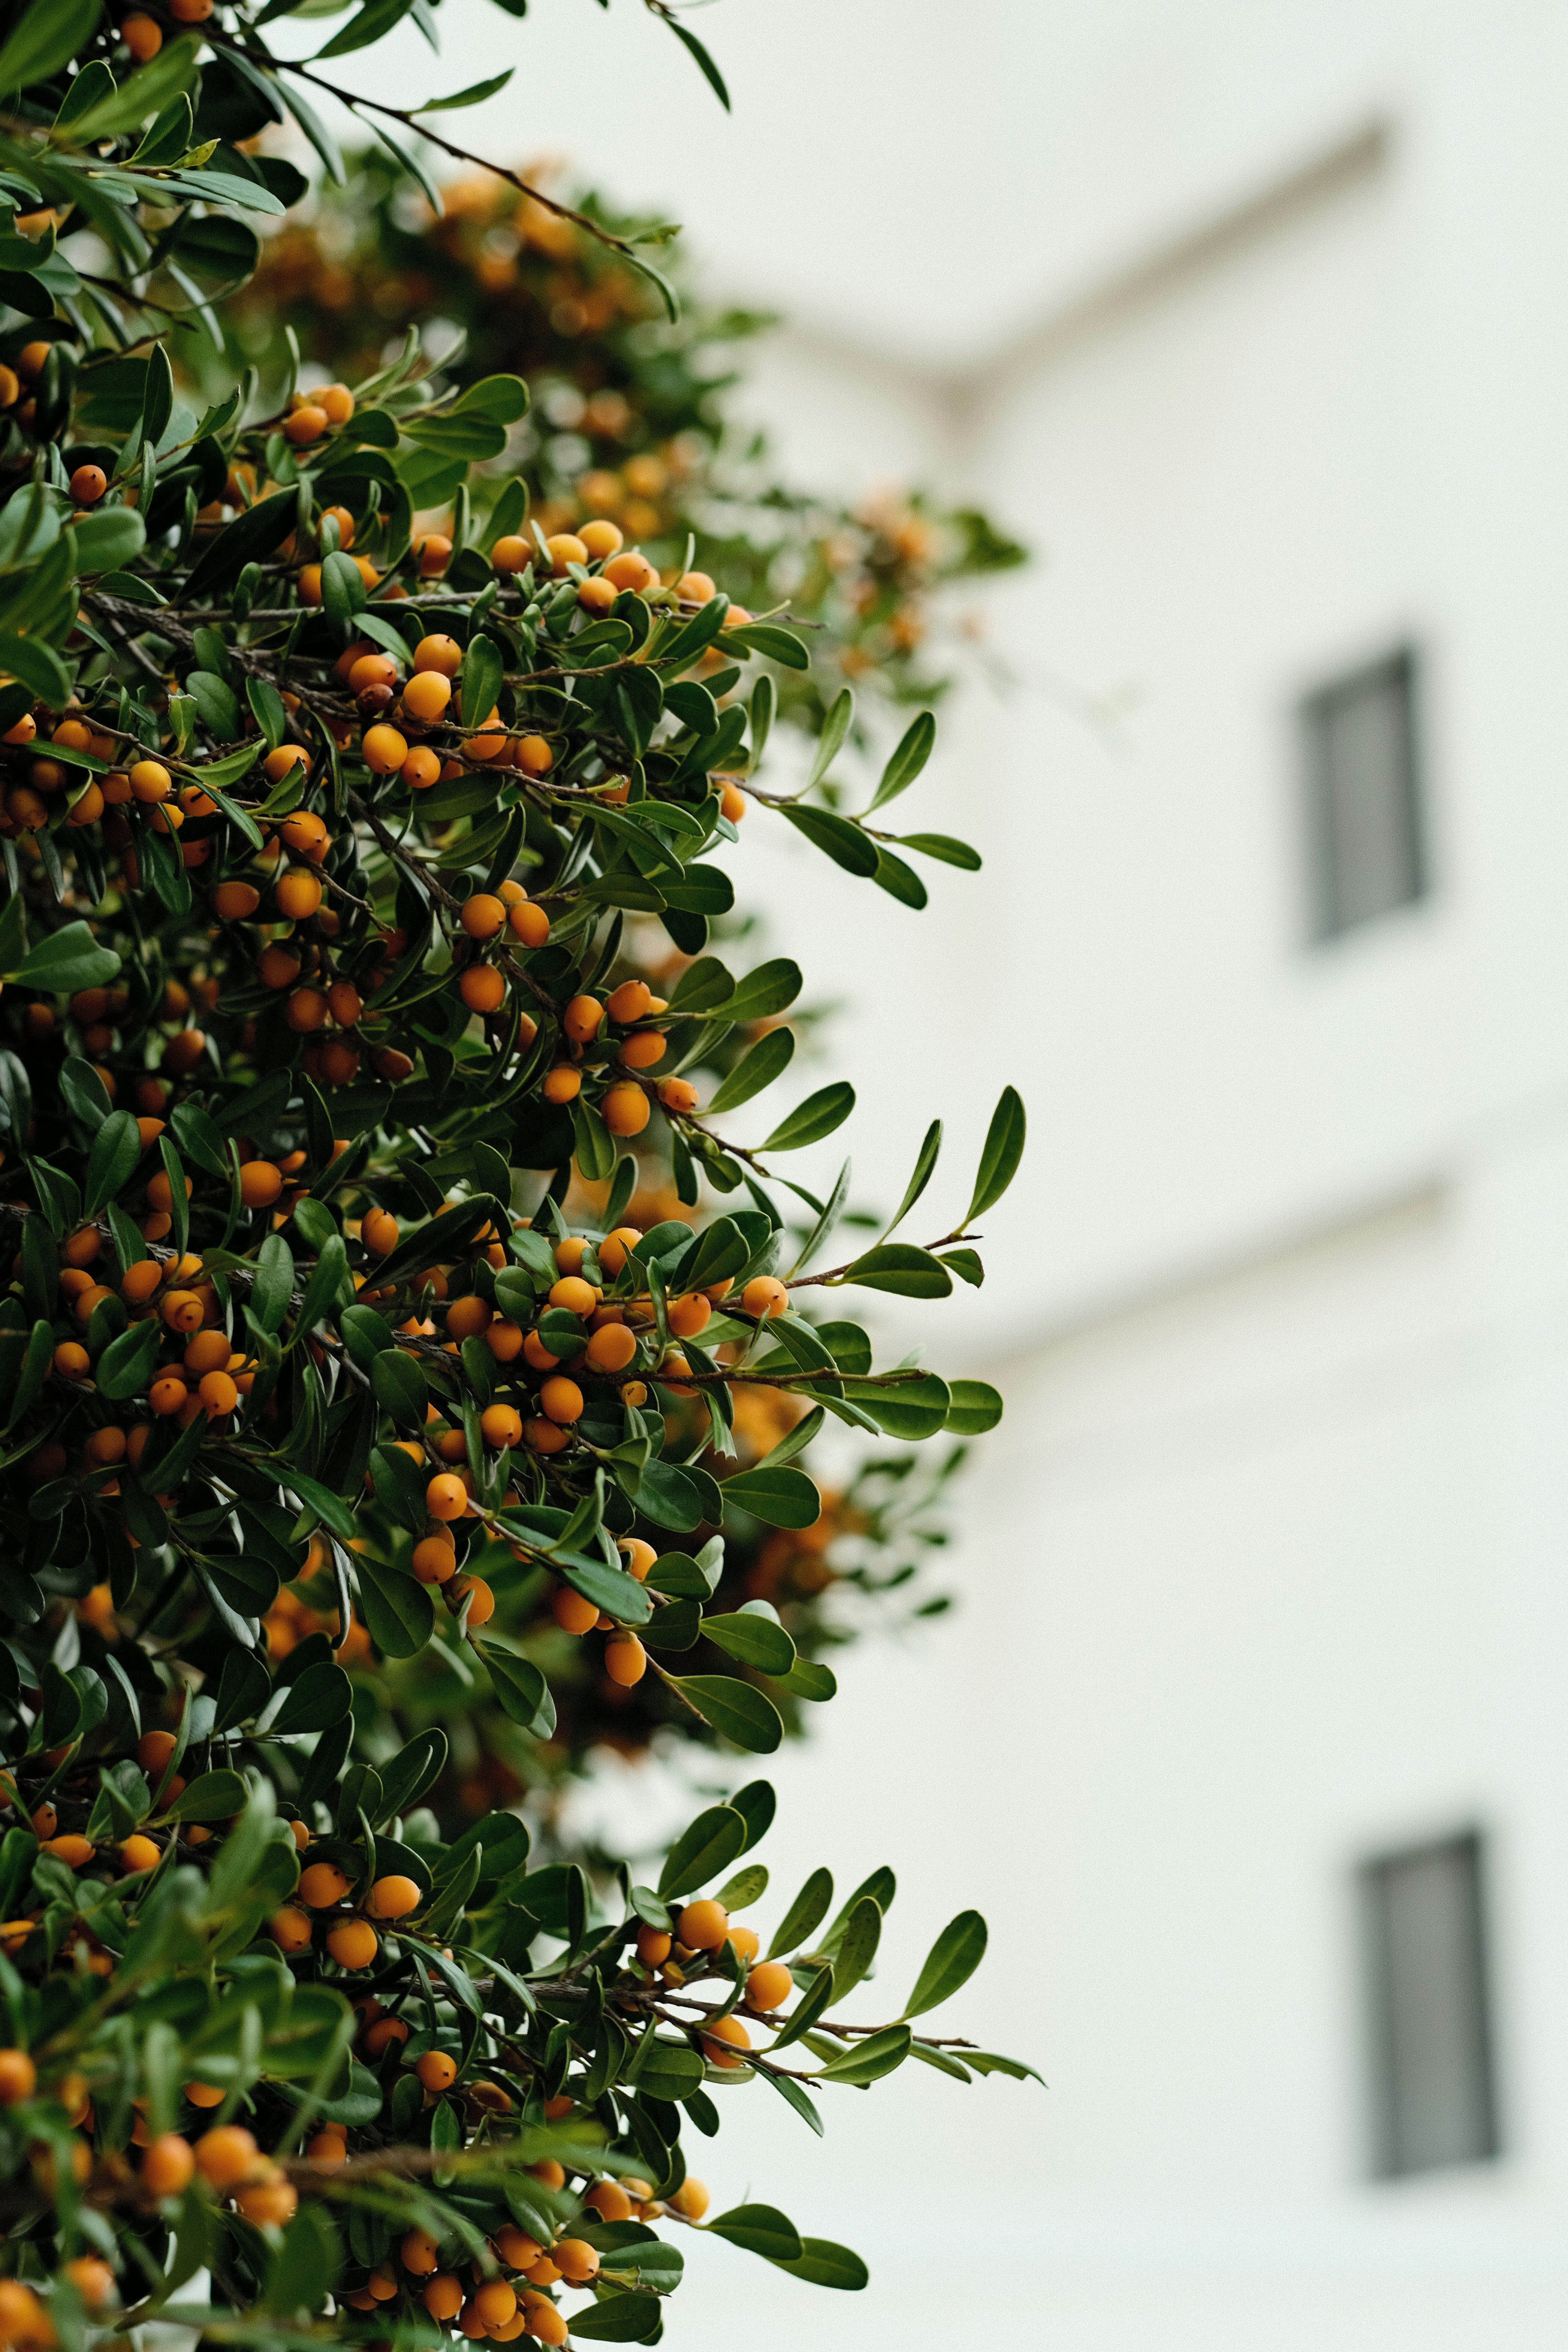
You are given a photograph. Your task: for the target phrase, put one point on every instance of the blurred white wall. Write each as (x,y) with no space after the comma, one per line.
(1252,314)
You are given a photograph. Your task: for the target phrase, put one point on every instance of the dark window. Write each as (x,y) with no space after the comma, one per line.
(1433,2093)
(1364,828)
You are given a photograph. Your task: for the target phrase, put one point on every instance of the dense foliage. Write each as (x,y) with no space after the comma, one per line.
(335,1423)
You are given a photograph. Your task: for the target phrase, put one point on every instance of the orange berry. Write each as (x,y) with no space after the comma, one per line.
(468,1317)
(723,2036)
(654,1947)
(565,547)
(339,403)
(612,1348)
(483,916)
(372,669)
(393,1899)
(483,988)
(445,1498)
(18,2077)
(142,36)
(167,2163)
(151,780)
(140,1853)
(481,1600)
(702,1926)
(88,485)
(580,1018)
(436,2070)
(502,1424)
(512,553)
(563,1084)
(691,2200)
(383,750)
(226,2155)
(298,895)
(625,1660)
(572,1613)
(560,1399)
(435,1562)
(421,769)
(378,1230)
(308,424)
(434,552)
(322,1884)
(535,756)
(764,1296)
(290,1928)
(260,1181)
(631,570)
(443,2298)
(625,1109)
(637,1557)
(426,695)
(601,538)
(354,1944)
(443,653)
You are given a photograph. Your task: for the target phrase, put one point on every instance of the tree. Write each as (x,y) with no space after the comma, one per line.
(290,1046)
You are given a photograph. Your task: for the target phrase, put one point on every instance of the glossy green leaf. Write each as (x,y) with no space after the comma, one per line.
(951,1962)
(737,1710)
(1003,1151)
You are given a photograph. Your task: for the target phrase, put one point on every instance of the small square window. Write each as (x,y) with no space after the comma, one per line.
(1432,2099)
(1365,834)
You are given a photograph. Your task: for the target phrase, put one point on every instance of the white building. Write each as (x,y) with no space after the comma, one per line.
(1251,1737)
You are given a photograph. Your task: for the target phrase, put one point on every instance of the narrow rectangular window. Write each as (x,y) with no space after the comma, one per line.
(1433,2100)
(1365,830)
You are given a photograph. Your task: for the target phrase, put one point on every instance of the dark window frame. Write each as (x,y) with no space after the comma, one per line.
(1395,2123)
(1335,911)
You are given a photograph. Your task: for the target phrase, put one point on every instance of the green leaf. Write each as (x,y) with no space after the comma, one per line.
(322,1696)
(304,2268)
(856,1946)
(103,541)
(522,1689)
(951,1962)
(243,1690)
(999,1160)
(708,1846)
(914,751)
(767,989)
(898,880)
(502,398)
(211,1798)
(774,645)
(821,2264)
(975,1407)
(834,727)
(619,2320)
(475,93)
(908,1409)
(804,1915)
(925,1164)
(368,23)
(48,36)
(128,1362)
(144,93)
(755,1641)
(68,960)
(808,1678)
(944,845)
(246,540)
(709,71)
(400,1388)
(843,842)
(761,2230)
(274,1284)
(669,2070)
(113,1161)
(399,1612)
(36,665)
(818,1115)
(737,1710)
(901,1268)
(782,1497)
(767,1060)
